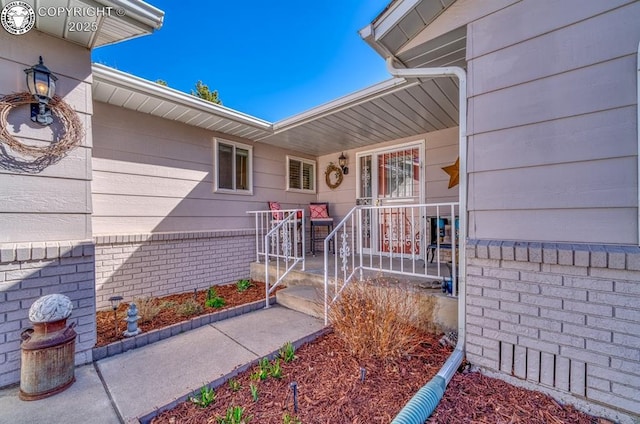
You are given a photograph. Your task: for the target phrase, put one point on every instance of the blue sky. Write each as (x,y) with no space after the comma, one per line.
(270,59)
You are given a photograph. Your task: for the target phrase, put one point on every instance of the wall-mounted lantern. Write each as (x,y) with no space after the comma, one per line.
(42,86)
(343,161)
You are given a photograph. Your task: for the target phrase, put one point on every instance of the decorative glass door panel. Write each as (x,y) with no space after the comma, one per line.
(399,182)
(388,178)
(365,197)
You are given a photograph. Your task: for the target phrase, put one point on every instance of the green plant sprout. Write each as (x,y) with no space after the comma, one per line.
(254,392)
(234,385)
(234,415)
(276,369)
(213,300)
(265,368)
(290,419)
(243,285)
(287,352)
(206,398)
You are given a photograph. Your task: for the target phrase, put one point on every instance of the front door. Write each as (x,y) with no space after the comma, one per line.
(391,177)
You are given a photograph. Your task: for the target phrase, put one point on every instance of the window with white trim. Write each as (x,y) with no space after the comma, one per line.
(233,167)
(301,174)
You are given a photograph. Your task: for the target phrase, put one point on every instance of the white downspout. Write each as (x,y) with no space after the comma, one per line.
(638,134)
(420,407)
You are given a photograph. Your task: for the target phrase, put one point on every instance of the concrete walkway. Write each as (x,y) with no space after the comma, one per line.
(128,386)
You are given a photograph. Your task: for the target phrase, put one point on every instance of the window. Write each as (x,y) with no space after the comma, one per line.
(233,165)
(301,174)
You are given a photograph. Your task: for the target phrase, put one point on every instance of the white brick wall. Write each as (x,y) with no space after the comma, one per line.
(566,317)
(160,264)
(31,270)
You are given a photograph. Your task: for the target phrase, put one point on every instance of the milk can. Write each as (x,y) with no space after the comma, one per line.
(48,349)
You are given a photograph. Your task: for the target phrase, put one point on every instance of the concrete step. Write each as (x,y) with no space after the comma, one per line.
(294,278)
(306,299)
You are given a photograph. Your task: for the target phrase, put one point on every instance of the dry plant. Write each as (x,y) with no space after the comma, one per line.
(374,320)
(148,308)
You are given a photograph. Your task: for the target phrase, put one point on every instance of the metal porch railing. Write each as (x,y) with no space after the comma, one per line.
(280,240)
(392,239)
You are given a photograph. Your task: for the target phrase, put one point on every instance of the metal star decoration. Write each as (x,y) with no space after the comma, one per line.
(454,173)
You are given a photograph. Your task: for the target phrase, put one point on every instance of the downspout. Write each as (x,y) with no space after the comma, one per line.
(638,134)
(424,402)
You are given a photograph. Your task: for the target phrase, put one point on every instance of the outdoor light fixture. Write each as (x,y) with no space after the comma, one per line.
(342,161)
(115,302)
(42,86)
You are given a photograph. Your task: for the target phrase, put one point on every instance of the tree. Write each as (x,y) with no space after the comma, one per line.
(203,92)
(162,82)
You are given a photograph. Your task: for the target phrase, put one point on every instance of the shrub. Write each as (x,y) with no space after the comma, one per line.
(213,300)
(375,320)
(243,285)
(148,308)
(189,307)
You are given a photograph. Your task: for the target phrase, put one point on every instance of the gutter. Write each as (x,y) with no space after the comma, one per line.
(127,81)
(139,11)
(423,403)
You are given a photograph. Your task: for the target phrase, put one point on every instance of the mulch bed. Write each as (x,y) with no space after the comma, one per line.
(169,314)
(330,390)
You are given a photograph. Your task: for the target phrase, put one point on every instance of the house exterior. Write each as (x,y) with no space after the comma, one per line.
(552,293)
(155,199)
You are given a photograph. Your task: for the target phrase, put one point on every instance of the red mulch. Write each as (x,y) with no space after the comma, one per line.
(330,392)
(330,389)
(169,316)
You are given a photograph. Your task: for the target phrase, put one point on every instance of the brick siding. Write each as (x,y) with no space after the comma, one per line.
(566,317)
(31,270)
(145,265)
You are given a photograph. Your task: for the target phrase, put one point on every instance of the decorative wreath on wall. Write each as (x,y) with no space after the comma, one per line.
(333,176)
(70,137)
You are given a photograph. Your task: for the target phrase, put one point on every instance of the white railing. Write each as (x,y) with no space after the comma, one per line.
(280,240)
(393,239)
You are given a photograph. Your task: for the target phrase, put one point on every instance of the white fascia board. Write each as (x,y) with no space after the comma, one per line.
(127,81)
(391,17)
(138,10)
(351,100)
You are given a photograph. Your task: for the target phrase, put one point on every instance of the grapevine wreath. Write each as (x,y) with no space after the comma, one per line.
(70,137)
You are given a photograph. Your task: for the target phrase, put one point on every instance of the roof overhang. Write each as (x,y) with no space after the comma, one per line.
(393,109)
(114,20)
(130,92)
(400,23)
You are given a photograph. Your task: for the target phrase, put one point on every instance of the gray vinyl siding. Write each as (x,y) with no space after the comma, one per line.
(154,175)
(552,122)
(51,202)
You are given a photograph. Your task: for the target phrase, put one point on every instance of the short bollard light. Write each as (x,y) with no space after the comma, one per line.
(294,389)
(132,321)
(115,302)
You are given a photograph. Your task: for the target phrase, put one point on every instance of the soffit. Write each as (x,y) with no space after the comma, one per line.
(117,20)
(394,32)
(400,108)
(130,92)
(394,109)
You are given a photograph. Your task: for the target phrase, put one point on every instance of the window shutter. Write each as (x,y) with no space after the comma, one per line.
(307,176)
(295,172)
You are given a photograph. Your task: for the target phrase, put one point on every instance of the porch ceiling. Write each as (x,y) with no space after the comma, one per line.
(116,20)
(394,109)
(394,32)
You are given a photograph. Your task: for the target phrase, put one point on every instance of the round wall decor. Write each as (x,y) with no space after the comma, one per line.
(71,136)
(333,176)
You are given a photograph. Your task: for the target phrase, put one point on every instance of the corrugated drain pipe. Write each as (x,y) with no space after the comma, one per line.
(424,402)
